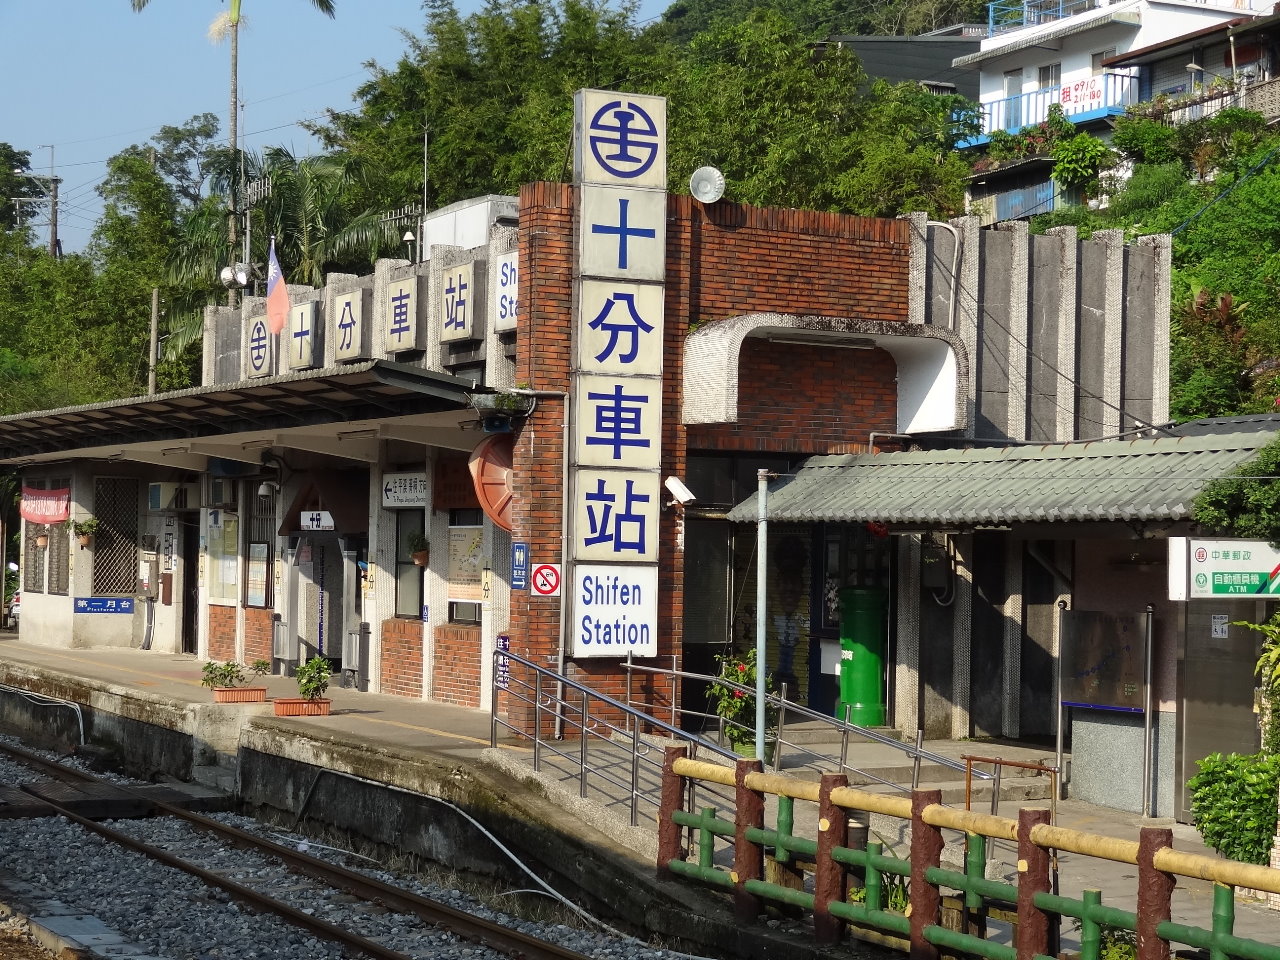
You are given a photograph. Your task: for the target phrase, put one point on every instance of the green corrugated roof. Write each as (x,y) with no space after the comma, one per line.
(1099,480)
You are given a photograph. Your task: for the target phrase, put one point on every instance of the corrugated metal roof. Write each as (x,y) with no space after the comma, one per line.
(1128,15)
(1095,481)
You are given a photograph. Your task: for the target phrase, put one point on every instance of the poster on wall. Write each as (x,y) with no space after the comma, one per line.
(256,576)
(466,564)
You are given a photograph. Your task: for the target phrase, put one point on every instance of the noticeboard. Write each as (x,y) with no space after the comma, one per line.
(1102,660)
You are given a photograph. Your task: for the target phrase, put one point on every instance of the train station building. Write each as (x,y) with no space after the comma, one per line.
(543,437)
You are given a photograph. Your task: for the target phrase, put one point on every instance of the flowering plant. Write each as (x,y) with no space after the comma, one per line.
(732,697)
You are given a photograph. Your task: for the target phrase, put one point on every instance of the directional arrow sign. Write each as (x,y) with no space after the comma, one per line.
(401,490)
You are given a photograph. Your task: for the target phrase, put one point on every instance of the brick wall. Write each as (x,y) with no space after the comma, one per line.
(723,260)
(456,677)
(807,400)
(257,634)
(402,658)
(222,632)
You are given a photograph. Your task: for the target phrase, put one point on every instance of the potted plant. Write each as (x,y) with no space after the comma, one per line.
(227,681)
(41,536)
(313,680)
(84,530)
(420,549)
(732,698)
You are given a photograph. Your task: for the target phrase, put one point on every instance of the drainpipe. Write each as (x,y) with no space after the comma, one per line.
(762,567)
(561,654)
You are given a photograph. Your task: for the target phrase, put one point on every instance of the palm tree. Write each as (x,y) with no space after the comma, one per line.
(231,22)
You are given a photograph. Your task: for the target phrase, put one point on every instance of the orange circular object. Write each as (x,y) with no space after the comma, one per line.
(490,465)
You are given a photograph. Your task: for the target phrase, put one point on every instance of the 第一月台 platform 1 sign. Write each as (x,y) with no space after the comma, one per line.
(1223,568)
(615,610)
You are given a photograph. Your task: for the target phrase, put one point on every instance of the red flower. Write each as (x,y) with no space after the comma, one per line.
(742,668)
(738,693)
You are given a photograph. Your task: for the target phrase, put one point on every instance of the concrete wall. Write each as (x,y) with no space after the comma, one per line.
(1069,339)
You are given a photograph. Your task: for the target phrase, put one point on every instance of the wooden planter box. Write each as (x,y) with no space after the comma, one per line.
(239,694)
(301,707)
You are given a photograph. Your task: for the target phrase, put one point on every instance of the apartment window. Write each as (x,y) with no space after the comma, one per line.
(466,565)
(1099,57)
(410,524)
(1049,75)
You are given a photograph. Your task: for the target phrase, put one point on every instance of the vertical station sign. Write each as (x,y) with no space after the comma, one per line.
(620,168)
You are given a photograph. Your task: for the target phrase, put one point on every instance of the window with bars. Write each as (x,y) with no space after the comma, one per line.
(115,545)
(259,552)
(48,567)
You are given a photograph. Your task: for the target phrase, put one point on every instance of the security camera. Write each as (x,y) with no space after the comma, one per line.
(678,490)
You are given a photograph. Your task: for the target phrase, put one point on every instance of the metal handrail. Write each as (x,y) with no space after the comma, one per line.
(559,707)
(785,706)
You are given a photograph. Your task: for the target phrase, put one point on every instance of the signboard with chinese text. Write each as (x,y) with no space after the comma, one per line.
(623,329)
(315,520)
(519,565)
(350,332)
(616,422)
(457,289)
(622,233)
(1083,93)
(619,421)
(615,610)
(258,348)
(616,515)
(504,306)
(400,318)
(303,341)
(1240,568)
(402,490)
(104,604)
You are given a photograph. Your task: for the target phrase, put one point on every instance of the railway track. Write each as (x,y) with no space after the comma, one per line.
(268,878)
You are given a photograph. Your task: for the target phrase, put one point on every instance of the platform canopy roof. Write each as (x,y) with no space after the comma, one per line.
(315,409)
(1102,480)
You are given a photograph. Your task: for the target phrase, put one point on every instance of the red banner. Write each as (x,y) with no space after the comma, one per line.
(45,506)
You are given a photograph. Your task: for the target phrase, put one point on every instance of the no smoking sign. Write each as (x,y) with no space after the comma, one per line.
(545,580)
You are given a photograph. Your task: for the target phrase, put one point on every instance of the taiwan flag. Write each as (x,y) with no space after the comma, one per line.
(277,294)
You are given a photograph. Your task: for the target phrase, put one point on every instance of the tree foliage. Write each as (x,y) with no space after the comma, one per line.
(1245,504)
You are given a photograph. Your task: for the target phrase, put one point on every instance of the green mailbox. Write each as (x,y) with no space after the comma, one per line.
(862,654)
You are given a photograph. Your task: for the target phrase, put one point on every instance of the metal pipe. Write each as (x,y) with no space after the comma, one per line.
(762,597)
(915,765)
(562,653)
(1062,613)
(1146,715)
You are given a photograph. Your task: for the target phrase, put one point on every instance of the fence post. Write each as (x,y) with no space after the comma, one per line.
(830,878)
(926,852)
(1033,867)
(1155,893)
(748,857)
(671,800)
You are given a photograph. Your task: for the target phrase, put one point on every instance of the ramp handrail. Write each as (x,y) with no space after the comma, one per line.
(786,707)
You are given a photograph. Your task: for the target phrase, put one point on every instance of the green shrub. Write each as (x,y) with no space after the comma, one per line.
(1233,803)
(1078,161)
(1144,140)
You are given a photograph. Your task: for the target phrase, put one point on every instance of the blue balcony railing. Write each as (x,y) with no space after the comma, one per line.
(1083,100)
(1005,15)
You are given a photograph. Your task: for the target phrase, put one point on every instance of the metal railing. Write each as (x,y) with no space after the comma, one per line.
(1012,114)
(839,729)
(1003,15)
(555,702)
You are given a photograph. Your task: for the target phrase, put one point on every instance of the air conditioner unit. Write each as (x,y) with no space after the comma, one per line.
(219,493)
(172,496)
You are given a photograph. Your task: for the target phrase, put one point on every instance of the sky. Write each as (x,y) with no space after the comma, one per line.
(91,77)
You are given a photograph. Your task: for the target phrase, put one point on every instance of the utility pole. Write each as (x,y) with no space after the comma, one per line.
(155,341)
(53,216)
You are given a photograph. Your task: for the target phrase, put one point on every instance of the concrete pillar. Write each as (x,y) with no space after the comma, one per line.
(968,313)
(1018,286)
(1066,361)
(918,273)
(962,637)
(1163,244)
(1011,692)
(906,671)
(1112,330)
